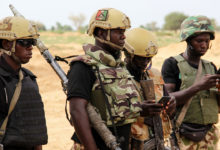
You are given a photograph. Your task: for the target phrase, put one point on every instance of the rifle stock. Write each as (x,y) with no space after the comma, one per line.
(149,94)
(110,140)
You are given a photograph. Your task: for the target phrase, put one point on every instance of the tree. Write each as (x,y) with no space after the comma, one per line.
(173,20)
(152,26)
(78,20)
(40,26)
(61,28)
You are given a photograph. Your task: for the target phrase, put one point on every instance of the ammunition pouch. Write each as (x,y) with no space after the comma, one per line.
(194,132)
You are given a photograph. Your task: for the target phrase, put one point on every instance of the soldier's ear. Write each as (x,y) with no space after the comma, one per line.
(101,33)
(7,45)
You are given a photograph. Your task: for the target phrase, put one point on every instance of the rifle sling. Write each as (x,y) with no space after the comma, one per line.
(107,104)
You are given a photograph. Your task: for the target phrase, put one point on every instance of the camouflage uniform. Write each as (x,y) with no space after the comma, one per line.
(210,141)
(118,85)
(141,131)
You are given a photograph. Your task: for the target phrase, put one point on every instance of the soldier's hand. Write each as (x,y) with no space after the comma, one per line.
(207,81)
(170,108)
(150,108)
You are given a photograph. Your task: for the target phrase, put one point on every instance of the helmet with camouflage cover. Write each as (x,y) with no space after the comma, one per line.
(195,25)
(13,28)
(108,18)
(140,42)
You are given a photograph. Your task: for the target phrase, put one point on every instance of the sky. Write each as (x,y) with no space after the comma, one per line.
(140,12)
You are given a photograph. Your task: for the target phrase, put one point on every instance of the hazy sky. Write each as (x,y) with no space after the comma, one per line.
(140,11)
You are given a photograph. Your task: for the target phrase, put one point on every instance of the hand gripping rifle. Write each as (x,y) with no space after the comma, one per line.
(95,118)
(158,140)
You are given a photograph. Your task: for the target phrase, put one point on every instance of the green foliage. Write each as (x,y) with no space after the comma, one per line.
(78,21)
(173,20)
(59,28)
(152,26)
(165,38)
(40,26)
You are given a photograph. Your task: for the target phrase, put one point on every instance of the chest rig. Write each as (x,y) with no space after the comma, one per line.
(118,87)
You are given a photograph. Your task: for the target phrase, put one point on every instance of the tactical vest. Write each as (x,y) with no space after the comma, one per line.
(26,125)
(203,108)
(141,131)
(121,92)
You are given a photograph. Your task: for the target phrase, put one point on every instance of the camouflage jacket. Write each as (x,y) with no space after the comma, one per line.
(118,86)
(141,131)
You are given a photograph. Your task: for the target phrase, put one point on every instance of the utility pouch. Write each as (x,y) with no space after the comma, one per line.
(194,132)
(1,147)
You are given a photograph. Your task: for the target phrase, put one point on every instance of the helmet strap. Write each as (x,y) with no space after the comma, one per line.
(6,52)
(149,65)
(16,59)
(109,43)
(108,35)
(13,47)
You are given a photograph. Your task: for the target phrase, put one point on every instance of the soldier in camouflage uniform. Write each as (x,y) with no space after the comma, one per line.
(101,78)
(140,47)
(196,130)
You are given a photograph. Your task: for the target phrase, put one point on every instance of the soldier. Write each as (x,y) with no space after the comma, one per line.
(140,47)
(101,78)
(22,118)
(192,81)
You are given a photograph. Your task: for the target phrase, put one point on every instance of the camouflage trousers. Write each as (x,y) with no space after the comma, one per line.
(77,146)
(210,142)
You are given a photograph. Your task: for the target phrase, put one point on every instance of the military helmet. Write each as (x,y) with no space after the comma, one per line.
(194,25)
(12,28)
(108,18)
(140,42)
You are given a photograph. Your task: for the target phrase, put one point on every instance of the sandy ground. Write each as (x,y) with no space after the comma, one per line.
(59,129)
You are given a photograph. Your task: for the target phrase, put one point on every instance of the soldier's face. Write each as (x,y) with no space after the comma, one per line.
(200,44)
(23,50)
(141,62)
(117,36)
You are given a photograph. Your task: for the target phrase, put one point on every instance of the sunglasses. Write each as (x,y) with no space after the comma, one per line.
(26,42)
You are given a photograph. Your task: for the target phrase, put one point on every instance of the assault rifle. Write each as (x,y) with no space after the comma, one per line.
(94,117)
(158,141)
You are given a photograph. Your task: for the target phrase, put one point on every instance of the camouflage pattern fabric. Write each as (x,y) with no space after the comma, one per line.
(77,146)
(210,141)
(139,130)
(196,24)
(120,90)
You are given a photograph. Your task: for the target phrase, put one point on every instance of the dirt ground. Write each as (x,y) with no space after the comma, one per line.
(59,129)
